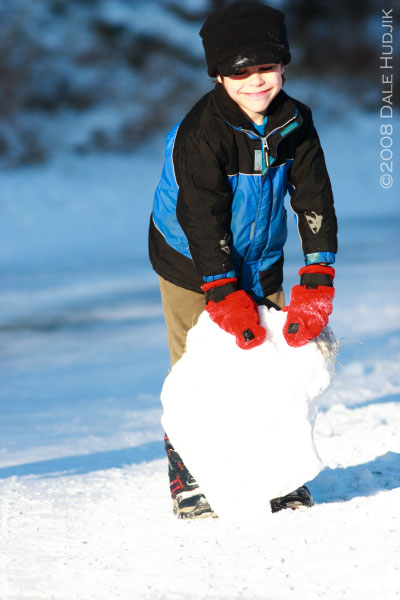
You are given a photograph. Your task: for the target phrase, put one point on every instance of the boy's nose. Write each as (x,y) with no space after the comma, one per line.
(256,79)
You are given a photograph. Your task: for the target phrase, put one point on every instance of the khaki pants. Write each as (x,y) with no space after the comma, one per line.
(182,309)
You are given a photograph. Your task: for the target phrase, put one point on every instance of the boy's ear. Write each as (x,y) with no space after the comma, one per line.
(219,78)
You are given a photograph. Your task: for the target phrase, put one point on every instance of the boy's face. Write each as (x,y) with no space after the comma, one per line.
(254,88)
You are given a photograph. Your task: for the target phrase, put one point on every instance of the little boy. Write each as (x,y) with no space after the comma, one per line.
(218,225)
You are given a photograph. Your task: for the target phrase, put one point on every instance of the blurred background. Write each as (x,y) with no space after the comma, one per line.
(104,75)
(89,89)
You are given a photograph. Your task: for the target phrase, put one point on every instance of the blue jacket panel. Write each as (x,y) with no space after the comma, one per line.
(165,198)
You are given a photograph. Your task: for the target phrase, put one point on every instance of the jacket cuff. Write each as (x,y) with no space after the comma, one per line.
(227,275)
(320,257)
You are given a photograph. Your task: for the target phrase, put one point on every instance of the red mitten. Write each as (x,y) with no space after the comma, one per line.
(234,311)
(310,305)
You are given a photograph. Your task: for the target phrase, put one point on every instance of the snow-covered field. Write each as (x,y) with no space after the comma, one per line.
(85,508)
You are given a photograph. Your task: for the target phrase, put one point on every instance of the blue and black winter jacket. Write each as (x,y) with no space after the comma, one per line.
(219,206)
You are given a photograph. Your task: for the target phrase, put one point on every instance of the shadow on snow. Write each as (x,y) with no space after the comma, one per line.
(382,400)
(323,408)
(87,463)
(331,485)
(344,484)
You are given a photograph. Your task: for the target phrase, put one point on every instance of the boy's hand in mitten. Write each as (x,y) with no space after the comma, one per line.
(234,311)
(310,305)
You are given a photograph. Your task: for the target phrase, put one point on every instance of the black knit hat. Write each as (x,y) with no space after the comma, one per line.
(244,34)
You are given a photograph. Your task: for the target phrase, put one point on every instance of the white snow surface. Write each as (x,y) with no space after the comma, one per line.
(255,406)
(84,499)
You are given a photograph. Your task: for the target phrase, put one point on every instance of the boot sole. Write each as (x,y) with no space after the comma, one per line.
(191,512)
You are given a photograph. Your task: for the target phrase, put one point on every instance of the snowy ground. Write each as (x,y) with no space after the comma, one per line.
(85,509)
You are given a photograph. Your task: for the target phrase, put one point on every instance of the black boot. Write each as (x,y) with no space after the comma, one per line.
(300,498)
(188,502)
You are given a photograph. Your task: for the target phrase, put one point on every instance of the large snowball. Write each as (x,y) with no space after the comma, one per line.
(241,419)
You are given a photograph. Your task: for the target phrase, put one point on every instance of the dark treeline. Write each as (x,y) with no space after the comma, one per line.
(75,75)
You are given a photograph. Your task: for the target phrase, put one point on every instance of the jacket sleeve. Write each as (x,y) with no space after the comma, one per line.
(204,201)
(311,194)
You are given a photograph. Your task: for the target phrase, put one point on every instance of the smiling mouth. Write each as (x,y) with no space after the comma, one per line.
(257,94)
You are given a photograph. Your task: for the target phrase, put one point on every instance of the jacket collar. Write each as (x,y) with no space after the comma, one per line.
(281,112)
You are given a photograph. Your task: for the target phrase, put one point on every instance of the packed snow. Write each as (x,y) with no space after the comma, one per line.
(85,506)
(256,407)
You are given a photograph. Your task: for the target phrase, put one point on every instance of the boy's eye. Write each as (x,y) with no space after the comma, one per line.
(239,73)
(245,72)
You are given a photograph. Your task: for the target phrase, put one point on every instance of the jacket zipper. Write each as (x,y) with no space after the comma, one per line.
(264,139)
(265,149)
